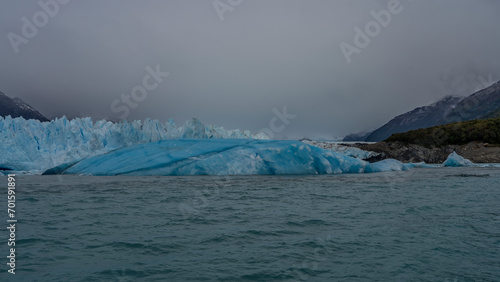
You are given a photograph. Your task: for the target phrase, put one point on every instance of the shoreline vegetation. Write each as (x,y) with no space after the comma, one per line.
(477,140)
(457,133)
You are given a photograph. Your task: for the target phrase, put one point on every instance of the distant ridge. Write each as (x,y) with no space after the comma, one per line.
(421,117)
(16,107)
(359,136)
(482,104)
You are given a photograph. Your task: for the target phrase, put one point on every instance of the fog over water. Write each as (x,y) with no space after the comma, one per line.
(230,63)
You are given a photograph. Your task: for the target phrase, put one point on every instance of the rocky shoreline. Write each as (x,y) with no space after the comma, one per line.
(477,152)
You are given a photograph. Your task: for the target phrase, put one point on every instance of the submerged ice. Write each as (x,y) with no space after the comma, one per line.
(223,157)
(31,145)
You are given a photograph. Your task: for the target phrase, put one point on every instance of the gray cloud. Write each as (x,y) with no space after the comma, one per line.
(264,54)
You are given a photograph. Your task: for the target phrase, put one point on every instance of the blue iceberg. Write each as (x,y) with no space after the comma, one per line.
(222,157)
(455,160)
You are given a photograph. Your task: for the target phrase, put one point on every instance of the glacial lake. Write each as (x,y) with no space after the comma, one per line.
(427,224)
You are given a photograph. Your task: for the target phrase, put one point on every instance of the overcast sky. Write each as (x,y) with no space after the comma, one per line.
(231,62)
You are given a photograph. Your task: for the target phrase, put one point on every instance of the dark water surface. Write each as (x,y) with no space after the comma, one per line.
(439,224)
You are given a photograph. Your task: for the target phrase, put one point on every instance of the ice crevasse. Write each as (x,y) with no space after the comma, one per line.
(222,157)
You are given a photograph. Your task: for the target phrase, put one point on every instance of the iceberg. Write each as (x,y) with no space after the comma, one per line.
(222,157)
(31,145)
(455,160)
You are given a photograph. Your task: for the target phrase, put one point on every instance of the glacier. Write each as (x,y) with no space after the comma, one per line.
(346,150)
(150,147)
(222,157)
(31,145)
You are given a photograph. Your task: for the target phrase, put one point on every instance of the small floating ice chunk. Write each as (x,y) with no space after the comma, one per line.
(455,160)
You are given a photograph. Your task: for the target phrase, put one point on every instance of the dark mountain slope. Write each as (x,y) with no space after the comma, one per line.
(421,117)
(17,108)
(480,105)
(476,106)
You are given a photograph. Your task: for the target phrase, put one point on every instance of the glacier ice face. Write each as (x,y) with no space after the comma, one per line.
(31,145)
(346,150)
(455,160)
(223,157)
(194,129)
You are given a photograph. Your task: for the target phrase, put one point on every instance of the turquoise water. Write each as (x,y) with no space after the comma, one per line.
(440,224)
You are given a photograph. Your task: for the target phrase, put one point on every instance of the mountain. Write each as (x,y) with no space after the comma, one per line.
(421,117)
(359,136)
(493,114)
(480,105)
(16,107)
